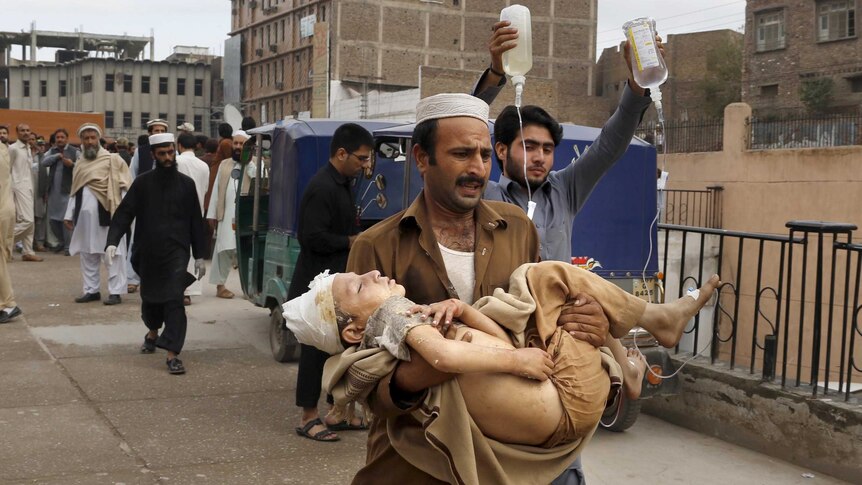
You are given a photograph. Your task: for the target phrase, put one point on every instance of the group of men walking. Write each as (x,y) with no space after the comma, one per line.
(136,214)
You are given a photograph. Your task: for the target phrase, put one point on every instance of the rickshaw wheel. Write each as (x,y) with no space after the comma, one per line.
(284,346)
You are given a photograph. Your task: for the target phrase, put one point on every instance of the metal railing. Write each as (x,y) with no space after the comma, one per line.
(701,208)
(788,307)
(806,131)
(684,136)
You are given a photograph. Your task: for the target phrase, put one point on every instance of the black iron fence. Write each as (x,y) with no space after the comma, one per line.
(806,131)
(684,136)
(701,208)
(788,307)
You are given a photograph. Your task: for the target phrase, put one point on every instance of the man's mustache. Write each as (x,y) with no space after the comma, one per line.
(470,179)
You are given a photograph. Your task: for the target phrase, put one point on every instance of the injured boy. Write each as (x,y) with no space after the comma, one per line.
(514,335)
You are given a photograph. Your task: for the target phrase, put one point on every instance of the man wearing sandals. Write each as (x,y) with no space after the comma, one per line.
(164,205)
(327,227)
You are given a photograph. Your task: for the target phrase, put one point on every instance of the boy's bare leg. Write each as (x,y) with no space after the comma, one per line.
(667,321)
(632,364)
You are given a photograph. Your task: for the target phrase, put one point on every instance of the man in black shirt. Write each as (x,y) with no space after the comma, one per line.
(164,205)
(327,228)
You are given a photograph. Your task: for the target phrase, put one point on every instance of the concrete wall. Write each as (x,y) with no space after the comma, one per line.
(816,433)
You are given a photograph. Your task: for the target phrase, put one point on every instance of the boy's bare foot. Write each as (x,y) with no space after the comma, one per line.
(667,321)
(633,373)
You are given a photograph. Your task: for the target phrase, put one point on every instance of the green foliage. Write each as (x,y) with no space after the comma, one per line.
(723,82)
(816,94)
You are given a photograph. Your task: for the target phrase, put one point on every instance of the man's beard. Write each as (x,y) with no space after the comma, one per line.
(517,174)
(90,152)
(236,155)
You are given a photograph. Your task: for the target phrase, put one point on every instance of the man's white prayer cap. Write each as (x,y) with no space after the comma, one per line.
(240,133)
(89,126)
(157,121)
(311,316)
(186,127)
(161,138)
(451,105)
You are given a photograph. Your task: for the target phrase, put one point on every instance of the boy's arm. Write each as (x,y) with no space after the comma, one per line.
(443,312)
(457,357)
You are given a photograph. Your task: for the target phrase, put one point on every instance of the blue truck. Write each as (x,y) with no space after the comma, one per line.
(614,235)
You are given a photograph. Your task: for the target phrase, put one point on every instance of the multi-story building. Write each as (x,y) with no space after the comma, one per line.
(304,55)
(129,92)
(802,54)
(703,74)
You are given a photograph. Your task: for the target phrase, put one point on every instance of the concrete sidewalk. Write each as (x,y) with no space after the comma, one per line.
(80,404)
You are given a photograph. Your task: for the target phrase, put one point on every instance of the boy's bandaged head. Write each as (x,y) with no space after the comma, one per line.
(311,316)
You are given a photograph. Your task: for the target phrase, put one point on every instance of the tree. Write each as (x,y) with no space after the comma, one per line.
(723,81)
(816,94)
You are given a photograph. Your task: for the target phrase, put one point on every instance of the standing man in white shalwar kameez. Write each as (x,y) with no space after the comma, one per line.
(221,211)
(199,171)
(100,179)
(22,189)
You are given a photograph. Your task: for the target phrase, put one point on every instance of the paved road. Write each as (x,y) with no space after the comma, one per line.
(79,404)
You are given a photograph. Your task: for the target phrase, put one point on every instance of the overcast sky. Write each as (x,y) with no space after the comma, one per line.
(206,22)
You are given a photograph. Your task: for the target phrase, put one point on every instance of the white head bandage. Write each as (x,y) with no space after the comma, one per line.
(451,105)
(161,138)
(89,126)
(311,316)
(240,133)
(186,127)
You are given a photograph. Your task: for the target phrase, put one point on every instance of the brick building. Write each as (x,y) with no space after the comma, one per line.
(383,45)
(703,74)
(797,46)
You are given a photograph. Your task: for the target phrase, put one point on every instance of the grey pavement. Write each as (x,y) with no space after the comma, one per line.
(80,405)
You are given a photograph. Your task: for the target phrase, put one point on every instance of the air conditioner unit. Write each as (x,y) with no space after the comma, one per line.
(279,85)
(269,10)
(273,47)
(259,52)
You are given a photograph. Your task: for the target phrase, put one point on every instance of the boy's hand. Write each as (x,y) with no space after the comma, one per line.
(441,312)
(533,363)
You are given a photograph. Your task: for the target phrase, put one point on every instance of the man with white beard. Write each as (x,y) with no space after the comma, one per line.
(99,181)
(22,190)
(192,166)
(220,214)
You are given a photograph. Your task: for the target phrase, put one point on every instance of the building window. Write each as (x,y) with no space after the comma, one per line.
(127,83)
(181,86)
(260,85)
(163,116)
(769,90)
(43,88)
(145,116)
(181,119)
(109,82)
(282,30)
(26,86)
(62,87)
(199,122)
(199,87)
(855,84)
(87,84)
(127,119)
(836,19)
(163,85)
(109,119)
(770,30)
(145,84)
